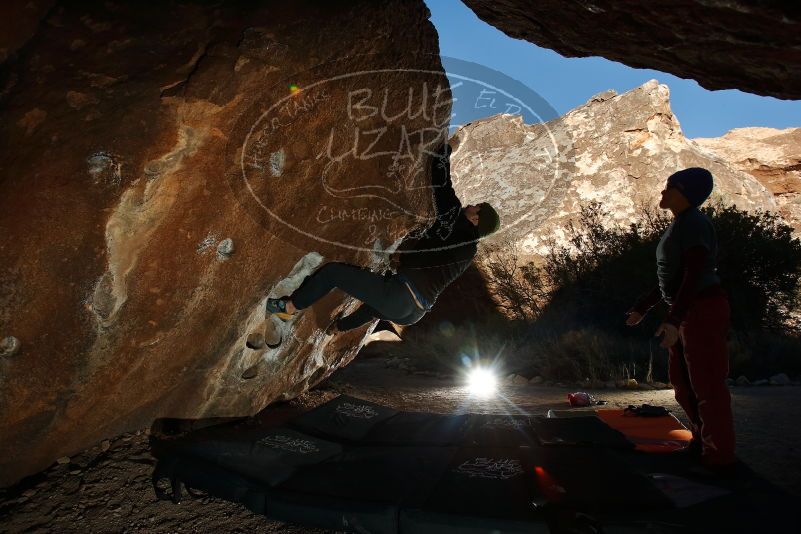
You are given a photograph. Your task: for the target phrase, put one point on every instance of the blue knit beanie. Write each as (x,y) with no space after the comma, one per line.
(694,183)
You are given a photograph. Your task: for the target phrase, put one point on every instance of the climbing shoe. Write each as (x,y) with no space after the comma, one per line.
(277,307)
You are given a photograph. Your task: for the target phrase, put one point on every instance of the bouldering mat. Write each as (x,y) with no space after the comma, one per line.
(499,430)
(593,478)
(343,417)
(269,455)
(484,489)
(651,434)
(471,473)
(418,429)
(365,486)
(584,431)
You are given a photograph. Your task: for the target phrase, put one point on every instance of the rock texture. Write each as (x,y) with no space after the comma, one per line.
(771,156)
(615,149)
(166,166)
(734,44)
(19,22)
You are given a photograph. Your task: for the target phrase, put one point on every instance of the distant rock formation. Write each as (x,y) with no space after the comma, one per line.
(163,168)
(742,44)
(615,149)
(771,156)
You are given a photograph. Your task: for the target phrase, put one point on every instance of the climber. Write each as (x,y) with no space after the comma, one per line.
(424,269)
(694,331)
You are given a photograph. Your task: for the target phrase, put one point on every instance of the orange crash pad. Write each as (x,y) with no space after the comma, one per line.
(650,434)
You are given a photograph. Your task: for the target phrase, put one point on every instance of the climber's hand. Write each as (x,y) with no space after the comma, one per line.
(670,335)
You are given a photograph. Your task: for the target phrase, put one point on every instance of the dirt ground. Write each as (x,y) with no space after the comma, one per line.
(107,488)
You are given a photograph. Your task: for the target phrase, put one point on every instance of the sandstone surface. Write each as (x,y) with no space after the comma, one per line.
(772,156)
(733,44)
(615,149)
(165,167)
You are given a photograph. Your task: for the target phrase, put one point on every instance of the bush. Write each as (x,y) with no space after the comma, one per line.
(575,299)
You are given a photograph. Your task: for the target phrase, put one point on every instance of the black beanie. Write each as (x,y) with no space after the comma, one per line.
(488,220)
(694,183)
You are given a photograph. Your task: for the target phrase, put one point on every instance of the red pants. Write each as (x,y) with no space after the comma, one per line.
(698,367)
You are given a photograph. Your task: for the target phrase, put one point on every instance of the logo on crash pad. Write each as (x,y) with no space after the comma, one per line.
(289,443)
(358,411)
(492,468)
(506,422)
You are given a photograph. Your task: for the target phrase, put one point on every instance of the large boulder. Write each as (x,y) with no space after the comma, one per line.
(736,44)
(168,165)
(771,156)
(615,149)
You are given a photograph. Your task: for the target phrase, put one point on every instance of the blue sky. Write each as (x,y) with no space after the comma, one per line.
(569,82)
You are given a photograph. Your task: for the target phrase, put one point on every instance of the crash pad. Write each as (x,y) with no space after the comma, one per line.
(584,431)
(269,455)
(343,418)
(499,430)
(650,434)
(483,489)
(418,429)
(424,473)
(659,434)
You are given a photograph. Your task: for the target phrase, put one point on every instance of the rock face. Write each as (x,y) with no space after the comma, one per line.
(166,168)
(615,149)
(741,44)
(772,156)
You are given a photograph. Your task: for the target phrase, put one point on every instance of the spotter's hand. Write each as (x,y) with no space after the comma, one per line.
(671,335)
(633,319)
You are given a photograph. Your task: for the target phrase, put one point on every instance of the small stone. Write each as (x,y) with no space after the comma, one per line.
(742,380)
(29,493)
(75,472)
(9,346)
(761,382)
(225,248)
(780,379)
(631,383)
(105,445)
(536,380)
(517,380)
(63,460)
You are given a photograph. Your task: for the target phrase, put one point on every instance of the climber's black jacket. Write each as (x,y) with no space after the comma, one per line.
(448,246)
